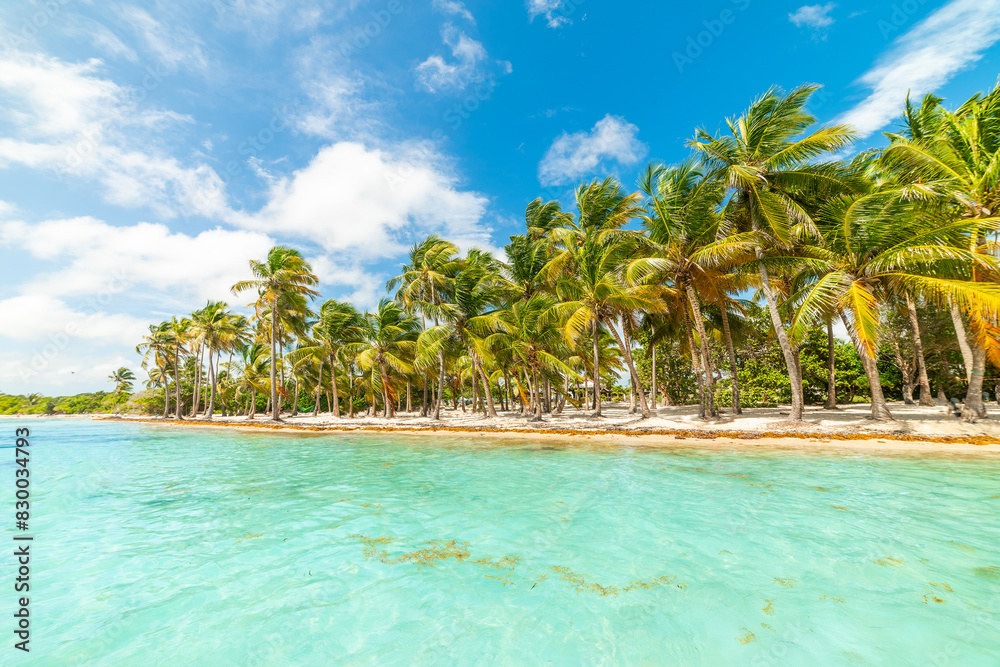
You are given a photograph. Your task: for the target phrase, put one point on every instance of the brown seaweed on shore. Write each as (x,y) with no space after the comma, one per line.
(980,440)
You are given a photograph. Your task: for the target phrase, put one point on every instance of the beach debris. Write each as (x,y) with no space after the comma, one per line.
(787,583)
(746,637)
(768,608)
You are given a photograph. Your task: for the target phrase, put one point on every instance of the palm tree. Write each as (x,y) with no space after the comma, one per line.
(122,379)
(471,315)
(218,329)
(952,158)
(282,275)
(155,347)
(424,285)
(532,336)
(687,253)
(587,272)
(875,248)
(339,324)
(768,166)
(388,347)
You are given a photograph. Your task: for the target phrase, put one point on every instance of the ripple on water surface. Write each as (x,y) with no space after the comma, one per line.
(199,546)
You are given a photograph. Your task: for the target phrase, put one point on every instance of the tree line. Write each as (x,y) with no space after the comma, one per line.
(736,264)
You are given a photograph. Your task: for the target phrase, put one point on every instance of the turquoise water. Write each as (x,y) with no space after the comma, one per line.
(198,546)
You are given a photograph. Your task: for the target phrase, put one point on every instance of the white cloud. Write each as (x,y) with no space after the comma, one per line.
(101,37)
(65,119)
(40,317)
(174,46)
(371,203)
(925,58)
(454,7)
(140,259)
(470,64)
(572,156)
(555,11)
(813,16)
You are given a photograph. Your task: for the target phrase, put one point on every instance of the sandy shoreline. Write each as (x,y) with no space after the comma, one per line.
(917,431)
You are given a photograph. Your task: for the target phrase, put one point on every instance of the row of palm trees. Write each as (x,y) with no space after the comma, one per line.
(766,209)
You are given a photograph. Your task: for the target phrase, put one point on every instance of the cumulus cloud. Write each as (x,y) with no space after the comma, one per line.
(925,58)
(469,64)
(371,202)
(816,17)
(571,156)
(65,119)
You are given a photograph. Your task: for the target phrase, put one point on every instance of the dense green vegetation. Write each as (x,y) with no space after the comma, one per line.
(735,267)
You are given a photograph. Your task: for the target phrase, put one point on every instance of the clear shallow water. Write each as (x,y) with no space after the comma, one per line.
(194,546)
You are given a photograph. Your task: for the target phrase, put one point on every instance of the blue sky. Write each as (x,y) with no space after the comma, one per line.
(148,150)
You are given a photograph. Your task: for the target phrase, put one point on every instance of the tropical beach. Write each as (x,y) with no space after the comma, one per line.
(448,333)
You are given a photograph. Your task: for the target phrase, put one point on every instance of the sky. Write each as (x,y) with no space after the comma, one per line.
(149,150)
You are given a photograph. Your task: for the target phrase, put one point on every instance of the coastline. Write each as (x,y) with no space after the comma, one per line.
(652,438)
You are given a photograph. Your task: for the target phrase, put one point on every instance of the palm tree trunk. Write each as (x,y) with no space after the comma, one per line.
(562,396)
(695,363)
(653,387)
(423,405)
(880,410)
(699,324)
(319,387)
(253,404)
(794,372)
(731,352)
(166,390)
(963,340)
(333,383)
(211,379)
(177,380)
(631,366)
(275,406)
(918,346)
(597,370)
(440,390)
(295,398)
(388,409)
(974,396)
(487,394)
(537,397)
(831,368)
(409,396)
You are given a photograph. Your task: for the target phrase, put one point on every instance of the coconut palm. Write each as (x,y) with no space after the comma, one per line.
(283,274)
(218,329)
(952,158)
(423,287)
(387,348)
(156,348)
(768,165)
(469,317)
(122,379)
(587,271)
(532,336)
(875,248)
